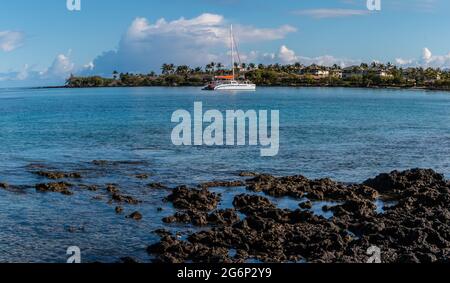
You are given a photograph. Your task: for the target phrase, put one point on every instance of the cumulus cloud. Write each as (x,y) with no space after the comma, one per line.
(427,56)
(60,69)
(197,41)
(401,61)
(331,13)
(288,56)
(428,59)
(10,40)
(89,66)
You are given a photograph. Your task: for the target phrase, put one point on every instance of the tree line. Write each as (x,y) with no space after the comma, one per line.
(363,75)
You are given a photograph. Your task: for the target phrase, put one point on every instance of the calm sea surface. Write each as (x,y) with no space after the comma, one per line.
(346,134)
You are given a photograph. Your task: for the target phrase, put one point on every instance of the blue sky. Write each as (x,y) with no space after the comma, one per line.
(41,42)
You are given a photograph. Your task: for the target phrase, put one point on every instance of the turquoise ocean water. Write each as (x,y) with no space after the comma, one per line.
(346,134)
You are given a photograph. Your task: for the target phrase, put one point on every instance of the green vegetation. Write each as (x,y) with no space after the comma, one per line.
(364,75)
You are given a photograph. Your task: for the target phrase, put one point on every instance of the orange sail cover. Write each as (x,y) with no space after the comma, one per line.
(225,77)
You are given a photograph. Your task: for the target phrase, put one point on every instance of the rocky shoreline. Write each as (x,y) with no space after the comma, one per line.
(415,230)
(414,227)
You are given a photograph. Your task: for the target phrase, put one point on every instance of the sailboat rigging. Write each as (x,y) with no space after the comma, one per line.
(229,82)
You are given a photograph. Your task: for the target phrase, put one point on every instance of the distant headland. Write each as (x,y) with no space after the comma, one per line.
(374,75)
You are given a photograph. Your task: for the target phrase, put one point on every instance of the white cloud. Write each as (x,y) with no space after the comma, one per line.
(288,56)
(197,41)
(427,60)
(427,55)
(10,40)
(329,60)
(60,69)
(23,74)
(401,62)
(208,29)
(89,66)
(331,13)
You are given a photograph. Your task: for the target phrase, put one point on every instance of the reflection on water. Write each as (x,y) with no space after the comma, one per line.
(383,205)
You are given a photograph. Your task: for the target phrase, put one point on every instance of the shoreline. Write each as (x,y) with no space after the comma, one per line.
(403,213)
(400,231)
(263,86)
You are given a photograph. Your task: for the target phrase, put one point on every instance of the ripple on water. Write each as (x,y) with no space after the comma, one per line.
(346,134)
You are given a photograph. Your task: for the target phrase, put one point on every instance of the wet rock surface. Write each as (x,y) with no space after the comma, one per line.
(248,174)
(60,187)
(397,182)
(405,214)
(306,205)
(55,175)
(135,216)
(195,199)
(219,217)
(157,186)
(215,184)
(299,186)
(92,188)
(118,197)
(142,176)
(415,229)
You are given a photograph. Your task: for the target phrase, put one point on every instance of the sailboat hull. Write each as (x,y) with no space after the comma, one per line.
(236,87)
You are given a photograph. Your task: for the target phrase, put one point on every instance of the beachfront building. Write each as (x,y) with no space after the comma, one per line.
(420,75)
(336,73)
(383,73)
(353,72)
(410,75)
(318,72)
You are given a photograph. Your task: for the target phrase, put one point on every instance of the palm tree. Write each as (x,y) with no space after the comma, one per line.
(168,68)
(297,66)
(213,65)
(219,67)
(182,70)
(208,68)
(164,68)
(236,67)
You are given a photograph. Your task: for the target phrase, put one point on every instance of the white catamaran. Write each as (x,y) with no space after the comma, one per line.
(229,82)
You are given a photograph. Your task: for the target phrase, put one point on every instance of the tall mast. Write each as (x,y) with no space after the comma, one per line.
(232,49)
